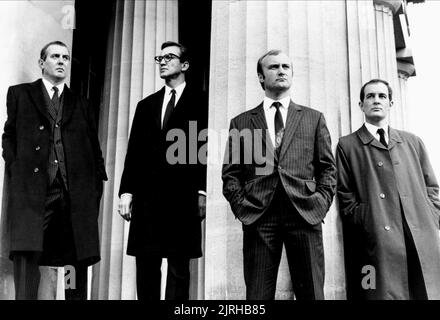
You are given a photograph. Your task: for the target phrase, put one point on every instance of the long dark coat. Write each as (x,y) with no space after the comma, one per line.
(25,144)
(165,218)
(375,186)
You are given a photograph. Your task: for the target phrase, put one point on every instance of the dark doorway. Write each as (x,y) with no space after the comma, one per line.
(89,49)
(195,34)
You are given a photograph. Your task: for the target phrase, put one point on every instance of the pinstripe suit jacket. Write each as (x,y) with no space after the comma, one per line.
(305,166)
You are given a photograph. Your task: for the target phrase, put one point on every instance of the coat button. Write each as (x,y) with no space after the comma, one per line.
(37,148)
(380,163)
(56,161)
(387,228)
(57,125)
(280,168)
(382,195)
(41,128)
(36,170)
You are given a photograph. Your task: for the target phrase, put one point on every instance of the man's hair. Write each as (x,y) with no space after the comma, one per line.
(372,81)
(184,56)
(43,53)
(273,52)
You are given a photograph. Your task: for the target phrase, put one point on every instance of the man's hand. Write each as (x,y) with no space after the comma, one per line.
(124,207)
(202,206)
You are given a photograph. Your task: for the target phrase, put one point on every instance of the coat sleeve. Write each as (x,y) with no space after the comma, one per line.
(324,162)
(202,128)
(9,138)
(432,187)
(346,189)
(130,174)
(232,169)
(97,153)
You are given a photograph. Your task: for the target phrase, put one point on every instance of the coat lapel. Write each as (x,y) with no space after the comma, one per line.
(394,138)
(157,112)
(294,116)
(367,138)
(258,120)
(37,95)
(68,104)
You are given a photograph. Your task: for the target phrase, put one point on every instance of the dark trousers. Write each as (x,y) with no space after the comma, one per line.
(148,278)
(58,249)
(262,248)
(416,282)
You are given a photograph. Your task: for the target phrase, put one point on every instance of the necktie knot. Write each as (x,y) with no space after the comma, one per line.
(277,105)
(55,90)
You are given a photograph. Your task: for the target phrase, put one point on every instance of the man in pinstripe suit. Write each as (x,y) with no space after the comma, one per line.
(280,195)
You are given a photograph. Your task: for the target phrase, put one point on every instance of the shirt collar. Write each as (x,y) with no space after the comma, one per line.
(373,129)
(49,87)
(267,102)
(179,89)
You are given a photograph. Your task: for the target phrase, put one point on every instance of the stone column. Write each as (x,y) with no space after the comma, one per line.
(335,47)
(137,31)
(25,27)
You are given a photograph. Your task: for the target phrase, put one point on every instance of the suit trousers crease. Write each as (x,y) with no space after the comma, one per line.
(148,277)
(262,248)
(58,249)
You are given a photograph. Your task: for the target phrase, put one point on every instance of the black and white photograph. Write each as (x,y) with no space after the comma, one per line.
(221,150)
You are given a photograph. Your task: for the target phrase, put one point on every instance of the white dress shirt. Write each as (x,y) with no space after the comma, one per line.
(270,111)
(167,98)
(49,87)
(373,130)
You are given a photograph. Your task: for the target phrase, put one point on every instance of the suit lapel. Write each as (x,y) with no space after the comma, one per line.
(294,115)
(37,95)
(258,120)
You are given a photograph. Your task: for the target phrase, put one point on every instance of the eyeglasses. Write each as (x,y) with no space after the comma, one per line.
(168,57)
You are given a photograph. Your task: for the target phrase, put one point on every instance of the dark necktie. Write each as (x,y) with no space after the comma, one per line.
(381,133)
(279,127)
(169,109)
(55,99)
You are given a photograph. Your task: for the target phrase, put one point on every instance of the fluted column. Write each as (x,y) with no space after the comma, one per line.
(335,46)
(137,31)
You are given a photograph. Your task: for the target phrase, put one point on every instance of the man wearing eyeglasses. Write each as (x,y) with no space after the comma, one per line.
(162,190)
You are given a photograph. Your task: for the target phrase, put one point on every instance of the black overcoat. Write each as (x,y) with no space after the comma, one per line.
(25,143)
(165,218)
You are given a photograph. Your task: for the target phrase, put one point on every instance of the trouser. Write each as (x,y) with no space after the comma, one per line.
(58,249)
(262,248)
(148,277)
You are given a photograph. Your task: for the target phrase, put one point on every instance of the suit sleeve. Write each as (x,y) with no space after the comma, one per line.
(432,187)
(232,169)
(346,194)
(9,138)
(324,162)
(97,152)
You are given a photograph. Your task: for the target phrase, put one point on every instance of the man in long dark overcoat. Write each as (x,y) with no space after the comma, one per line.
(388,199)
(162,189)
(55,171)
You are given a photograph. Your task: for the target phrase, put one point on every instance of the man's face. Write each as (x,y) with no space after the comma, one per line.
(377,103)
(277,73)
(55,66)
(173,68)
